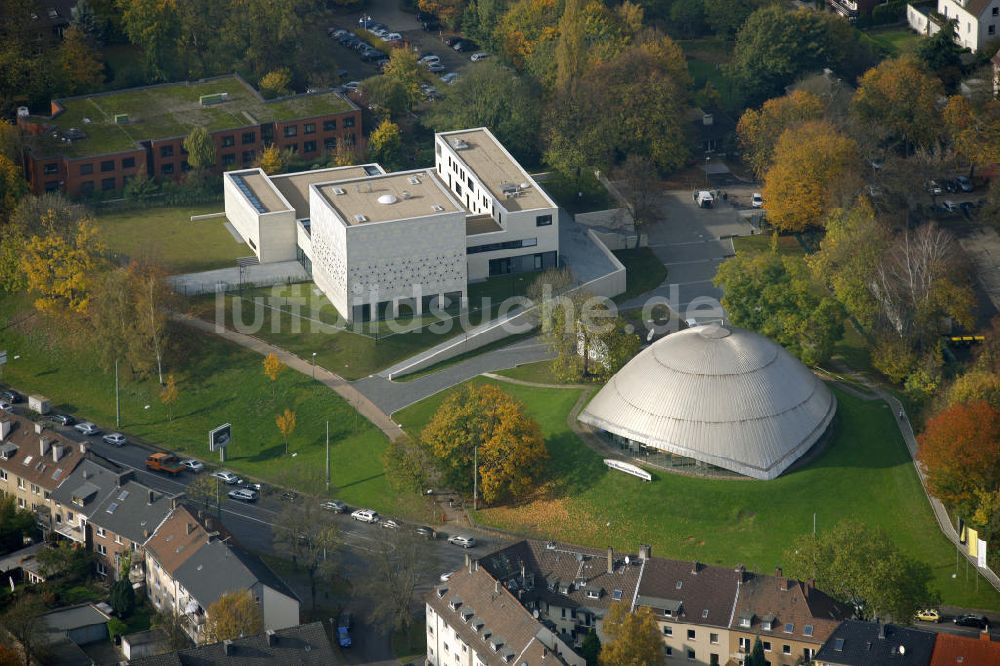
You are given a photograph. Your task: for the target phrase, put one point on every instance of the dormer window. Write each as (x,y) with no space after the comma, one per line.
(789,628)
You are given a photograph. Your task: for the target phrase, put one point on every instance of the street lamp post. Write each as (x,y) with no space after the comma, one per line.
(475,478)
(314,365)
(708,160)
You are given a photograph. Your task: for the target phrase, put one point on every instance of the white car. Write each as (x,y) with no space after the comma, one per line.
(243,494)
(87,428)
(392,37)
(115,439)
(366,516)
(390,523)
(351,86)
(450,78)
(6,406)
(476,57)
(428,59)
(193,465)
(228,478)
(463,541)
(757,201)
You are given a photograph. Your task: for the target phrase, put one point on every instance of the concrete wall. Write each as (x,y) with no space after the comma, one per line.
(613,218)
(918,21)
(329,250)
(271,236)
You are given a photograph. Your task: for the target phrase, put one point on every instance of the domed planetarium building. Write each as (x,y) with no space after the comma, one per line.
(722,396)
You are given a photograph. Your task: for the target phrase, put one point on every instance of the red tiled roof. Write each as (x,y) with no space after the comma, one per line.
(30,463)
(950,650)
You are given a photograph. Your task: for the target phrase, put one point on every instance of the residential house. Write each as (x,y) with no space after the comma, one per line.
(23,565)
(77,498)
(188,567)
(857,643)
(952,649)
(305,644)
(853,9)
(34,461)
(98,143)
(792,618)
(122,524)
(976,21)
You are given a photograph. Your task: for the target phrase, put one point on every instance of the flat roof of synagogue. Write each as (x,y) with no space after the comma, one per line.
(394,196)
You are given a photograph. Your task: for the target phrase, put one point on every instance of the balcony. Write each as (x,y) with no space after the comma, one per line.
(71,532)
(847,8)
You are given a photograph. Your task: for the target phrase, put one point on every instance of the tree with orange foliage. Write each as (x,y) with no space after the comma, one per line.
(449,11)
(60,271)
(633,638)
(286,422)
(960,450)
(900,97)
(974,130)
(759,130)
(482,424)
(814,168)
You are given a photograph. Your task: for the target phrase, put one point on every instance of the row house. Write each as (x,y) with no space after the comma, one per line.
(121,525)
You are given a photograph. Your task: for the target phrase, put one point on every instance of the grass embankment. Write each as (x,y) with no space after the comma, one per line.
(218,382)
(864,474)
(169,237)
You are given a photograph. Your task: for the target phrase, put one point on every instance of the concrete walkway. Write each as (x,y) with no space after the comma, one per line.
(338,384)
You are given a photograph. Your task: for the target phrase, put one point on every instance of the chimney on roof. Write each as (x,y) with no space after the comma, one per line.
(785,583)
(695,567)
(496,586)
(4,429)
(44,444)
(611,560)
(272,638)
(83,448)
(645,551)
(145,534)
(39,428)
(227,648)
(984,635)
(57,452)
(524,571)
(208,523)
(468,562)
(778,573)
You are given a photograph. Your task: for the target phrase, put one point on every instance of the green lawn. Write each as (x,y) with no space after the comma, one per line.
(539,372)
(219,383)
(762,243)
(644,271)
(578,195)
(168,235)
(865,474)
(894,41)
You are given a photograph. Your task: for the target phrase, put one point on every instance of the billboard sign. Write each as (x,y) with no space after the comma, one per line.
(981,555)
(219,438)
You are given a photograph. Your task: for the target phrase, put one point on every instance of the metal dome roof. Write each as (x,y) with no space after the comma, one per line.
(721,395)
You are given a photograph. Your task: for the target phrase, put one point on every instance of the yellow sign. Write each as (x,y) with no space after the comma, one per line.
(973,542)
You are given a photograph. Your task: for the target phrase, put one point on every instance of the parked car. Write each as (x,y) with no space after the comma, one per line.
(193,465)
(115,439)
(704,198)
(950,206)
(365,515)
(933,187)
(949,185)
(164,462)
(12,396)
(464,45)
(972,620)
(481,55)
(243,494)
(6,406)
(928,615)
(334,505)
(428,58)
(228,478)
(87,428)
(463,541)
(351,86)
(344,630)
(390,524)
(436,67)
(965,184)
(60,419)
(392,37)
(451,41)
(337,33)
(425,531)
(289,496)
(757,201)
(450,78)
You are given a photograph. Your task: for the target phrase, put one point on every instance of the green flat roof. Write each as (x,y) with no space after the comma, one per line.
(171,110)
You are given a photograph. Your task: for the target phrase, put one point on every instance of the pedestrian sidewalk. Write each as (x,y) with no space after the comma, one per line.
(338,384)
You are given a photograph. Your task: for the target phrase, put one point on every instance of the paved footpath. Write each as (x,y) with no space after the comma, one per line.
(341,386)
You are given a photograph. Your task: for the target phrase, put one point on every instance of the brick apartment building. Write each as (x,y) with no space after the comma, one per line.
(98,143)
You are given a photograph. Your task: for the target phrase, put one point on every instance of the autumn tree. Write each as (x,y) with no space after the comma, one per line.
(899,97)
(171,626)
(449,11)
(409,466)
(276,83)
(814,169)
(46,215)
(726,18)
(393,575)
(974,130)
(388,97)
(153,299)
(60,270)
(273,367)
(152,25)
(200,148)
(386,143)
(862,566)
(571,50)
(232,615)
(23,620)
(12,186)
(272,160)
(307,534)
(404,69)
(960,451)
(286,422)
(528,29)
(974,385)
(169,395)
(482,422)
(942,54)
(758,130)
(80,62)
(640,186)
(632,638)
(205,491)
(775,296)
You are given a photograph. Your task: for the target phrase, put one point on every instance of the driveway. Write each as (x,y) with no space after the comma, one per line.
(692,242)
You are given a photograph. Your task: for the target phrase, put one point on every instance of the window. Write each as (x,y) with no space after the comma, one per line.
(35,490)
(249,137)
(101,569)
(668,630)
(128,163)
(349,122)
(228,141)
(167,169)
(107,165)
(3,475)
(469,181)
(996,11)
(992,30)
(50,168)
(713,639)
(767,646)
(807,630)
(511,245)
(331,143)
(101,548)
(543,220)
(166,151)
(690,655)
(789,628)
(309,147)
(20,483)
(86,169)
(786,649)
(309,128)
(458,189)
(670,651)
(744,644)
(291,130)
(691,635)
(118,539)
(329,125)
(249,156)
(100,532)
(108,184)
(20,502)
(229,159)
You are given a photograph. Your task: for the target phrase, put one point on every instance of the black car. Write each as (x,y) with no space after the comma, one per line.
(972,620)
(60,419)
(289,496)
(949,185)
(427,532)
(11,396)
(464,45)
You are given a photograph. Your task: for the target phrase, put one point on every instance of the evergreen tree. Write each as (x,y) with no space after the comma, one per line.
(756,657)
